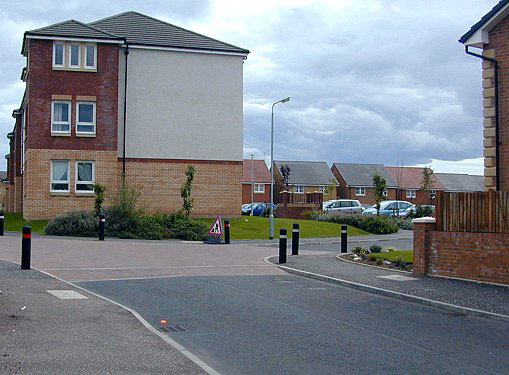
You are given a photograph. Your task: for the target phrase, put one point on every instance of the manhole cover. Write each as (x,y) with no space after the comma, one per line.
(173,329)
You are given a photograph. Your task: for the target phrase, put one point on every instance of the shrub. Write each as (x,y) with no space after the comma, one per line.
(364,256)
(359,250)
(74,223)
(404,223)
(373,258)
(181,227)
(398,261)
(375,248)
(372,224)
(379,261)
(99,197)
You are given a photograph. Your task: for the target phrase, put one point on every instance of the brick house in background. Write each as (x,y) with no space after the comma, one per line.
(409,180)
(456,182)
(255,180)
(133,96)
(356,181)
(306,177)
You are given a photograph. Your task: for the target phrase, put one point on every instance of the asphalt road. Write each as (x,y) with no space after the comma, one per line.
(284,324)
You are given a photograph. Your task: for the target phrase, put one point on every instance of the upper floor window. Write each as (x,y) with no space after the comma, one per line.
(75,55)
(58,55)
(259,188)
(410,193)
(299,189)
(61,117)
(322,189)
(360,191)
(85,115)
(90,56)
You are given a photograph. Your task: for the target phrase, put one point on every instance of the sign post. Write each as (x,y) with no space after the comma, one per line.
(215,232)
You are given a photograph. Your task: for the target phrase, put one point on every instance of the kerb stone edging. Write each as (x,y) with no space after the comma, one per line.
(390,293)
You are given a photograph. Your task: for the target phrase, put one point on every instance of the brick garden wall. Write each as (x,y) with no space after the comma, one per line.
(475,256)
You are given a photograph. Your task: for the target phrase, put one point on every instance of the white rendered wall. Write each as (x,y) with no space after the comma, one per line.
(181,105)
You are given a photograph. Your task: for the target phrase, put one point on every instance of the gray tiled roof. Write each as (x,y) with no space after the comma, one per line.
(72,28)
(483,20)
(356,174)
(456,182)
(140,29)
(314,173)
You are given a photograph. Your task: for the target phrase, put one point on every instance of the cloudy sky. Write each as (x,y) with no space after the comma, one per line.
(372,81)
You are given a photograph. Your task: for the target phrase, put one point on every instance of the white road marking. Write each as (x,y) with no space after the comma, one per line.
(398,278)
(66,294)
(155,267)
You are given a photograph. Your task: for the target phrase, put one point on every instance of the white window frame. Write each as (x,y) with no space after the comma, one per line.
(360,191)
(322,189)
(68,182)
(69,48)
(54,55)
(76,183)
(53,102)
(299,189)
(85,66)
(85,123)
(259,188)
(411,193)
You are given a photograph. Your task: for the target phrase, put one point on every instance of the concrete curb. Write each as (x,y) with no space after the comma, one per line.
(209,370)
(370,265)
(390,293)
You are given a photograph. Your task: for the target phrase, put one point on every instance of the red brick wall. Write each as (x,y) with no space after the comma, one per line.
(476,256)
(421,197)
(43,82)
(498,37)
(257,197)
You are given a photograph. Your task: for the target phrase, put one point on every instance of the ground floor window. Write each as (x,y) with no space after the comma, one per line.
(360,191)
(259,188)
(410,193)
(85,176)
(59,175)
(299,189)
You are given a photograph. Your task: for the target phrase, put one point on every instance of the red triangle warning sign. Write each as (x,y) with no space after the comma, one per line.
(216,229)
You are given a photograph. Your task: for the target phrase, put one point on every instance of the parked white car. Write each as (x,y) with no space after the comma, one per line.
(344,205)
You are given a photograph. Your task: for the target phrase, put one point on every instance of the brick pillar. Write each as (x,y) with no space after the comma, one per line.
(422,232)
(488,84)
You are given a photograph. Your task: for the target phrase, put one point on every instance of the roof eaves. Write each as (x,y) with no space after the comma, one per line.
(483,21)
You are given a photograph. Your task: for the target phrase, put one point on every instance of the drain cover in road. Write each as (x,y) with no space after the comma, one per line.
(398,278)
(67,294)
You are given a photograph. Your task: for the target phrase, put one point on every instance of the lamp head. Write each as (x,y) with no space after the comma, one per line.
(287,99)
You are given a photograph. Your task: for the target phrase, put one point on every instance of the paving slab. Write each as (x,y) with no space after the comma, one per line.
(479,296)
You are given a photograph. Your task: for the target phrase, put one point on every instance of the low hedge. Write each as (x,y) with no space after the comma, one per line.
(121,224)
(371,224)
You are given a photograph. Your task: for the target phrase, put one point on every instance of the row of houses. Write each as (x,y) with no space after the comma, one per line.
(349,181)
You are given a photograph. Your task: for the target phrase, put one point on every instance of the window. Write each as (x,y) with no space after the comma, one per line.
(58,55)
(90,56)
(74,55)
(322,189)
(85,176)
(259,188)
(60,176)
(299,189)
(410,193)
(403,205)
(85,114)
(60,117)
(345,204)
(360,191)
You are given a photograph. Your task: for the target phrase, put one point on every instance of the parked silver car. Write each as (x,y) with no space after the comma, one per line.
(344,205)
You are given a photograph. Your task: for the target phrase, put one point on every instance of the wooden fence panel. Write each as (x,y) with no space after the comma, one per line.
(486,212)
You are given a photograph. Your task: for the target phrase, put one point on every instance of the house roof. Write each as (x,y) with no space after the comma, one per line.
(489,20)
(361,175)
(411,178)
(140,29)
(456,182)
(310,173)
(260,172)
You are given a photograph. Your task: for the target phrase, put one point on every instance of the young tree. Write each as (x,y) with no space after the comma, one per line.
(185,191)
(380,185)
(99,198)
(427,181)
(285,174)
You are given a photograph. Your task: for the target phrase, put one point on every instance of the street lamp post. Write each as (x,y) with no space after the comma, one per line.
(252,184)
(271,218)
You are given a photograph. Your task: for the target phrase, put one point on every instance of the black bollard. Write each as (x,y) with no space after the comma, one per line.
(26,248)
(2,218)
(295,239)
(227,232)
(102,223)
(283,239)
(344,238)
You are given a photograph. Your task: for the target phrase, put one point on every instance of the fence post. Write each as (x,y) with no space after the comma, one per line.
(283,239)
(227,232)
(295,239)
(2,218)
(102,223)
(26,247)
(344,239)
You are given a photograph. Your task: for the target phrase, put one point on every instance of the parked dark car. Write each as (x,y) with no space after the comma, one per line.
(261,207)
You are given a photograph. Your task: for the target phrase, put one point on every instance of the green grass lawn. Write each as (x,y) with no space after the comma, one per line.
(406,255)
(14,222)
(257,228)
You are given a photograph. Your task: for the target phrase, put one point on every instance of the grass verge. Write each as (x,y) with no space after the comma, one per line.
(257,228)
(14,222)
(406,255)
